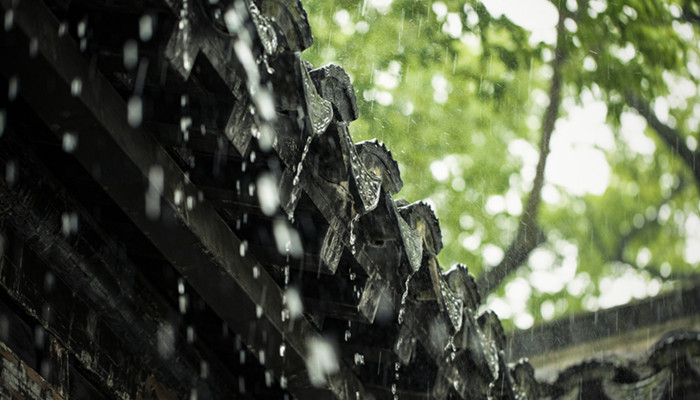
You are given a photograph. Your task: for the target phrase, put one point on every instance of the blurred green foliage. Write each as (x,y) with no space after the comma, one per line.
(452,89)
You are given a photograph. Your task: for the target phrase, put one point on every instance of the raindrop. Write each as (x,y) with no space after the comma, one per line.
(166,340)
(252,156)
(180,286)
(251,189)
(283,382)
(131,54)
(69,223)
(359,359)
(193,394)
(190,334)
(256,272)
(9,19)
(3,121)
(155,187)
(348,335)
(267,193)
(82,28)
(12,88)
(241,357)
(241,384)
(145,28)
(186,60)
(39,334)
(283,349)
(184,99)
(70,142)
(190,202)
(76,87)
(185,124)
(287,238)
(49,282)
(321,361)
(134,115)
(203,369)
(11,172)
(353,236)
(261,356)
(182,303)
(33,47)
(268,378)
(292,300)
(177,197)
(243,248)
(62,28)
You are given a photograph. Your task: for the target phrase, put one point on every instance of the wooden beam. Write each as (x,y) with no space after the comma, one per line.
(197,242)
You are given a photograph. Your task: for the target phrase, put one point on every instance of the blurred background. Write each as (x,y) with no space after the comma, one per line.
(557,141)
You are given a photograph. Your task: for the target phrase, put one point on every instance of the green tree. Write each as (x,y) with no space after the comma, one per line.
(471,104)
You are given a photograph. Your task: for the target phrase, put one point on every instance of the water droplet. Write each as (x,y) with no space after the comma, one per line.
(256,272)
(190,335)
(11,172)
(76,87)
(203,369)
(283,349)
(243,248)
(166,340)
(182,303)
(292,300)
(131,54)
(155,188)
(283,382)
(12,87)
(69,223)
(321,361)
(145,28)
(359,359)
(268,378)
(62,28)
(186,60)
(9,19)
(134,111)
(268,195)
(185,124)
(177,196)
(70,142)
(180,286)
(82,28)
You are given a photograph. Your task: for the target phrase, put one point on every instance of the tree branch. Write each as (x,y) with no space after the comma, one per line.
(619,254)
(673,138)
(529,234)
